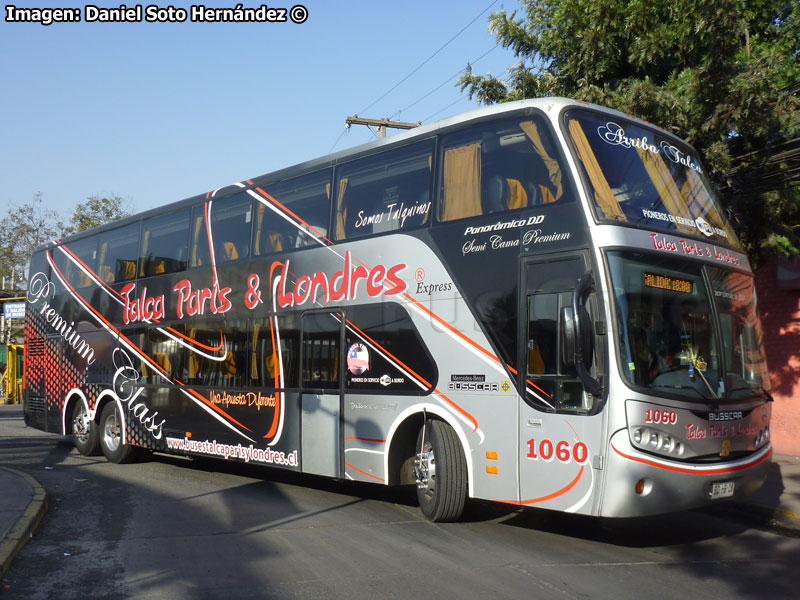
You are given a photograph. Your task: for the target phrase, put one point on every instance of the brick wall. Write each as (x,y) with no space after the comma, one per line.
(780,316)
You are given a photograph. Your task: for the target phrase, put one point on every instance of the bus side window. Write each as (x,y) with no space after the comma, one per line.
(164,244)
(167,353)
(119,253)
(386,192)
(230,223)
(274,351)
(292,213)
(504,166)
(85,251)
(321,340)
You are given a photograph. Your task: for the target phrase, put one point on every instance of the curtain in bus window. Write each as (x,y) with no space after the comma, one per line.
(119,251)
(264,360)
(553,168)
(81,256)
(292,213)
(604,196)
(165,244)
(665,186)
(274,348)
(104,270)
(167,353)
(200,254)
(462,182)
(384,192)
(265,242)
(702,203)
(253,356)
(231,220)
(341,210)
(517,196)
(222,225)
(139,339)
(217,357)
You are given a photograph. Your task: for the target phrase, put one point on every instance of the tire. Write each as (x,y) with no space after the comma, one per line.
(441,472)
(110,433)
(84,431)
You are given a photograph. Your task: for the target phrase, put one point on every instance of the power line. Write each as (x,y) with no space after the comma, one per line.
(445,108)
(427,60)
(341,135)
(464,97)
(445,82)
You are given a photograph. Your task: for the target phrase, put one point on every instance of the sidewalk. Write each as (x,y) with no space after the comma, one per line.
(23,503)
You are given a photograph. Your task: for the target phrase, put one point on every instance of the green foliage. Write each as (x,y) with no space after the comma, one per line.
(24,228)
(722,74)
(97,210)
(30,225)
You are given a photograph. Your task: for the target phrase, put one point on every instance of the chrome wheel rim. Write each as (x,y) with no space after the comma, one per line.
(80,426)
(425,470)
(112,432)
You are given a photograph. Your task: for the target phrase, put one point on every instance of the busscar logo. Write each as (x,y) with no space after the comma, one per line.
(471,383)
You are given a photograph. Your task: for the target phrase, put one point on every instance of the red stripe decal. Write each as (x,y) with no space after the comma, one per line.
(556,494)
(698,471)
(363,472)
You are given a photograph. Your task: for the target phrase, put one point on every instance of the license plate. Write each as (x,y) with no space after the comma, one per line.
(722,489)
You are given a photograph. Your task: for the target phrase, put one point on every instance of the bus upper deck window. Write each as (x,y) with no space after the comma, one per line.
(499,167)
(222,225)
(385,192)
(118,253)
(292,213)
(164,244)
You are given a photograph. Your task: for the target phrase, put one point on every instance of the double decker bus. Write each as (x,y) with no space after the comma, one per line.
(539,303)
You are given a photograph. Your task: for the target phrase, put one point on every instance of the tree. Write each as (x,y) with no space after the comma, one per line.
(24,228)
(722,74)
(98,210)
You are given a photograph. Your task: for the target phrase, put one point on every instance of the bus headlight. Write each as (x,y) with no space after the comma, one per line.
(656,441)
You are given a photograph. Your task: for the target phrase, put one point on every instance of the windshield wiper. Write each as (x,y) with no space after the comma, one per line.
(767,396)
(710,402)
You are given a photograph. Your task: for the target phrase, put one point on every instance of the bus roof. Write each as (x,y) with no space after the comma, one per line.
(549,105)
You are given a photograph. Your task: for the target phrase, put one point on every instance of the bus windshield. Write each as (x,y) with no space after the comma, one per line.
(640,176)
(668,315)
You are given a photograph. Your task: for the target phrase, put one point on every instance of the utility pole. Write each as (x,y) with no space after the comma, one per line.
(381,124)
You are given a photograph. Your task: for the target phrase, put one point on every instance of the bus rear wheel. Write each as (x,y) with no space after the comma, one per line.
(441,472)
(111,441)
(84,431)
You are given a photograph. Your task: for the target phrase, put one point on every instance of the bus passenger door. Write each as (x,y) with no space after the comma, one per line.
(556,435)
(321,402)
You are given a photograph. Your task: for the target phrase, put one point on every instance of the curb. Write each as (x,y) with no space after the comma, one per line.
(23,529)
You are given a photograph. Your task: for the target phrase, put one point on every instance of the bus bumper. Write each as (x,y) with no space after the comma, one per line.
(639,484)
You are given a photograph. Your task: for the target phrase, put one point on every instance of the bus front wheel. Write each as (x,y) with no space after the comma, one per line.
(111,441)
(441,472)
(84,431)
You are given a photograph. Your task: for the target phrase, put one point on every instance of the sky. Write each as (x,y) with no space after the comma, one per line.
(156,112)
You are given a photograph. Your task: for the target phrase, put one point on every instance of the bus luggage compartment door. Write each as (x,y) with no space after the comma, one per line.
(320,434)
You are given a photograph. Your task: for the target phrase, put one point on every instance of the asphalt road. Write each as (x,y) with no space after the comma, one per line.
(174,528)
